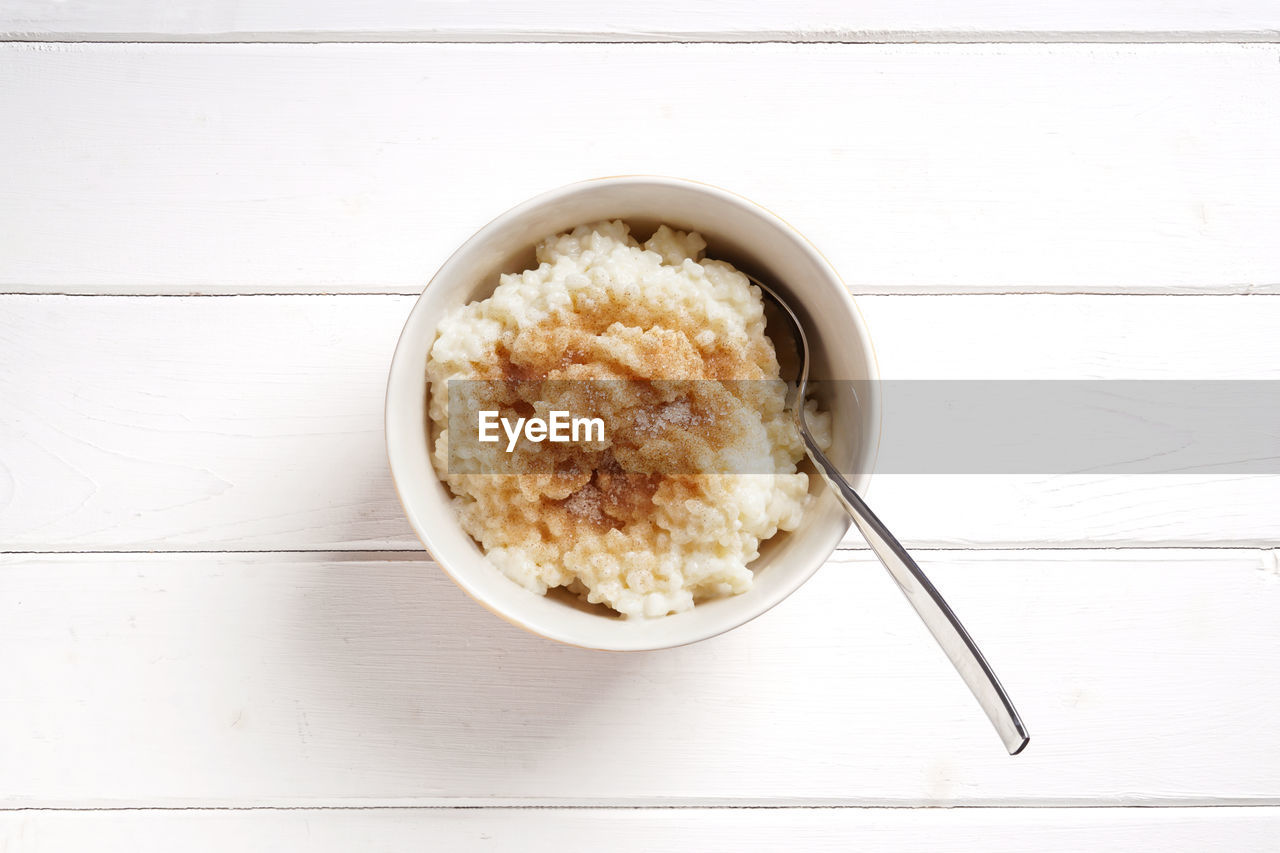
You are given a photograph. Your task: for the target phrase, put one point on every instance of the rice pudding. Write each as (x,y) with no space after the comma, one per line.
(698,463)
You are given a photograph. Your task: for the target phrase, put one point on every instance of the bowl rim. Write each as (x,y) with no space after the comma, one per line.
(481,235)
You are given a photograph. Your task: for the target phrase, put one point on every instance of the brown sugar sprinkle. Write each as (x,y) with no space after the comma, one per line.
(677,413)
(584,504)
(626,497)
(613,497)
(654,428)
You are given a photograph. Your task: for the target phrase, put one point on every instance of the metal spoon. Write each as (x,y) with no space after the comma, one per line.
(922,594)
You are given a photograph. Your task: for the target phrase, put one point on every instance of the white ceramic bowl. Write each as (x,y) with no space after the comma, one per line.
(737,231)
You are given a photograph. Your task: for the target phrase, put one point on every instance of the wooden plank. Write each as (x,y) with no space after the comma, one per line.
(196,423)
(916,168)
(1146,677)
(555,830)
(581,20)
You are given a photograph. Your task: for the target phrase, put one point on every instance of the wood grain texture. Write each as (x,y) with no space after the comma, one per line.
(614,20)
(214,423)
(1145,677)
(915,168)
(304,696)
(1243,830)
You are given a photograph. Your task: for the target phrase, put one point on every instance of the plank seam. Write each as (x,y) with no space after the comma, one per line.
(1268,290)
(1266,548)
(894,37)
(1260,804)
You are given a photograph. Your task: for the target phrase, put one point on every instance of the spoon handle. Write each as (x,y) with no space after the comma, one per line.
(931,606)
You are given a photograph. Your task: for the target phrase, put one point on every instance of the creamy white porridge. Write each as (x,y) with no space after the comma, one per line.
(659,514)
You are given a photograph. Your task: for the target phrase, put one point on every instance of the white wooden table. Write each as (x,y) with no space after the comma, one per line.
(216,628)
